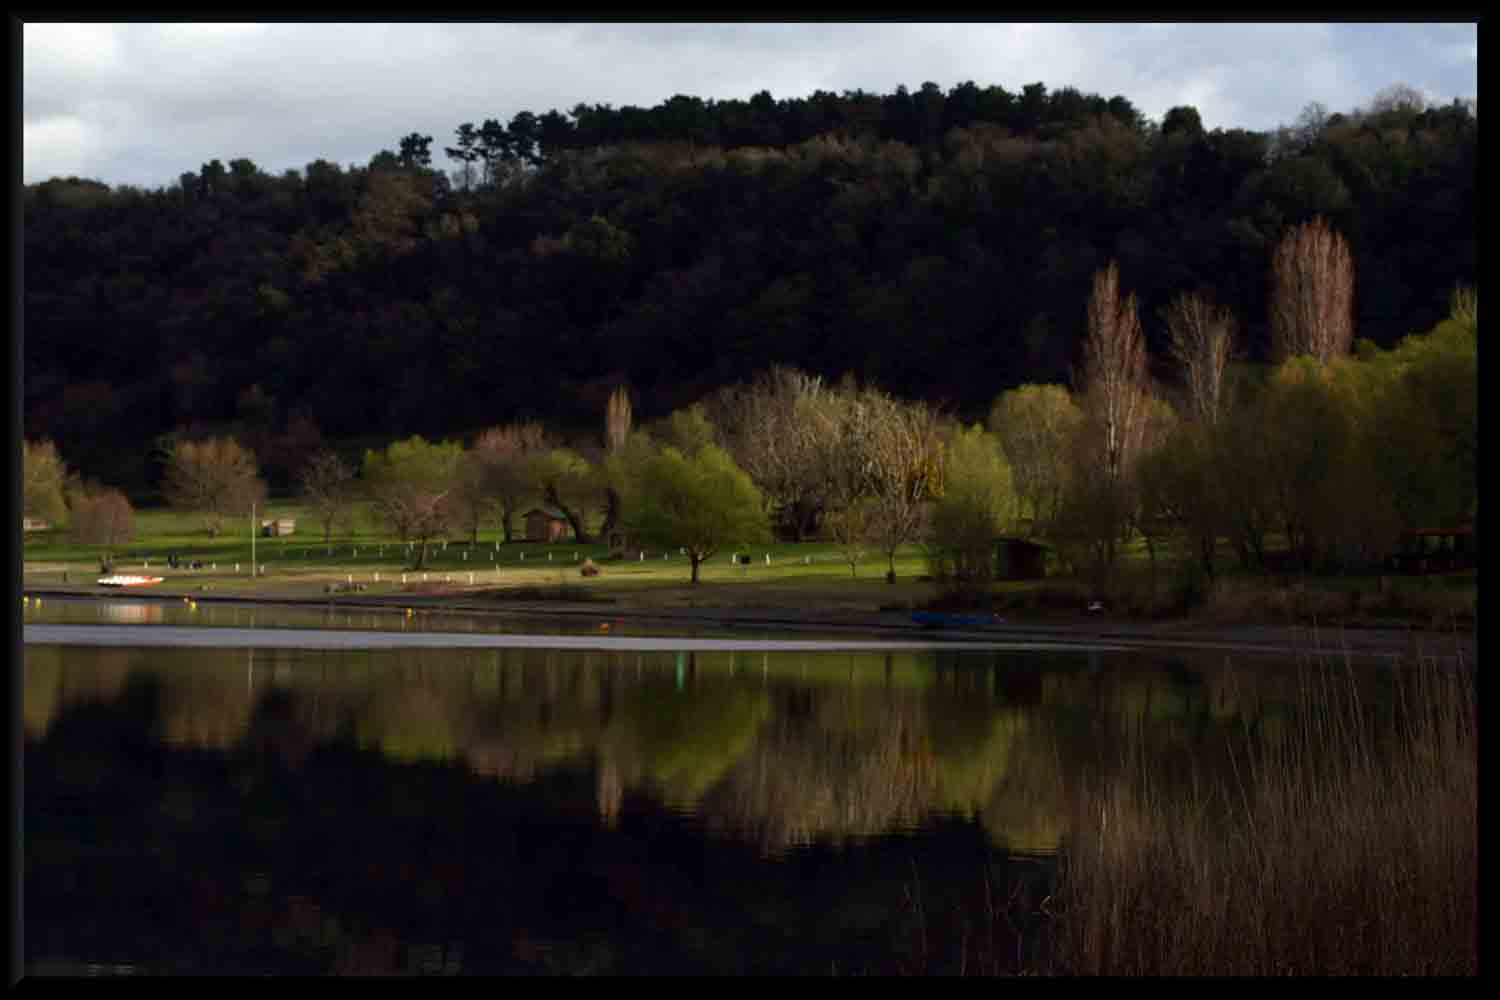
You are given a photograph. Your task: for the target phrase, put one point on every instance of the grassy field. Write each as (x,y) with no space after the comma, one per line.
(804,576)
(304,564)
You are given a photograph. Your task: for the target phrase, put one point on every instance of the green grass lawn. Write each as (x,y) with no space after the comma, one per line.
(801,576)
(305,562)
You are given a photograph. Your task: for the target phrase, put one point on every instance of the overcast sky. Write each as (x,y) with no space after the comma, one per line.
(141,103)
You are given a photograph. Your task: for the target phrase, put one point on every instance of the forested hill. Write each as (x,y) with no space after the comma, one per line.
(939,244)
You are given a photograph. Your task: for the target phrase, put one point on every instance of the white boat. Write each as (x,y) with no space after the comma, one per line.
(125,580)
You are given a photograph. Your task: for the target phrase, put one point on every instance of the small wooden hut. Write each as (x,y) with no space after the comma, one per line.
(546,524)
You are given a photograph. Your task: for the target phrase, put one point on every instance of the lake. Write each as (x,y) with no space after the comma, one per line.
(501,808)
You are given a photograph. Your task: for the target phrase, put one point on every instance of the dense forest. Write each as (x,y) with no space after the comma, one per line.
(941,245)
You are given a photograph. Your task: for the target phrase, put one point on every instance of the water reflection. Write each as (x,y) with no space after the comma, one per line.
(627,794)
(781,749)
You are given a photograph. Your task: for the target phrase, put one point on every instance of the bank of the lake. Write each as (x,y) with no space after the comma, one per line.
(1184,634)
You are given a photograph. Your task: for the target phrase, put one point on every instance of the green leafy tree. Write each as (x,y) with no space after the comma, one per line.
(45,481)
(700,503)
(412,484)
(1037,425)
(1424,418)
(687,429)
(977,502)
(567,481)
(1181,497)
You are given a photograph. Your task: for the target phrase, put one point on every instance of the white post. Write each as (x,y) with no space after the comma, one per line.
(252,540)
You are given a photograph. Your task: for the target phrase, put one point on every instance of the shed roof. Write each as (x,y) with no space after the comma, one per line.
(551,512)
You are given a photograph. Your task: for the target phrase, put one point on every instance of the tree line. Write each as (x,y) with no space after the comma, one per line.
(1323,458)
(935,244)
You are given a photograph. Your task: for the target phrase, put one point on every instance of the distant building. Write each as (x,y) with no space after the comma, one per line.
(1019,559)
(278,527)
(35,524)
(545,524)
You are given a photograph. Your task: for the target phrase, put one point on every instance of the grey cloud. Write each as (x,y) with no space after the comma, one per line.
(140,103)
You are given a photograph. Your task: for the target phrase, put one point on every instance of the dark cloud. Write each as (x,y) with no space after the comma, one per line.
(140,103)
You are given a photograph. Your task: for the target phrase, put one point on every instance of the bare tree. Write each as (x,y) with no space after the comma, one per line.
(216,478)
(471,498)
(906,457)
(1114,373)
(1464,306)
(775,431)
(1398,97)
(847,419)
(1312,294)
(504,453)
(618,419)
(1201,337)
(101,516)
(329,489)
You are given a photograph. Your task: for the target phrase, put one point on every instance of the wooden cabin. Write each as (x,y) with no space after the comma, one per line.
(546,524)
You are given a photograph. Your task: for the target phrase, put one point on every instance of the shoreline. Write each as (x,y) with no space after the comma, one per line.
(1181,634)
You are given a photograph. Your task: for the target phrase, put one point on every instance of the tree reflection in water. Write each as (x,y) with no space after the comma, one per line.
(528,810)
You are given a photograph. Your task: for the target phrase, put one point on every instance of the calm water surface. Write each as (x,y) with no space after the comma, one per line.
(508,810)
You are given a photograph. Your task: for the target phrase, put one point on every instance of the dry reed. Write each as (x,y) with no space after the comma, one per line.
(1343,841)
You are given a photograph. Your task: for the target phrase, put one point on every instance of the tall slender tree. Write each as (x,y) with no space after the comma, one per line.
(1113,374)
(1312,294)
(466,152)
(1200,337)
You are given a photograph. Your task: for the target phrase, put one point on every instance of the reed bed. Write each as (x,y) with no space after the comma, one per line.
(1342,842)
